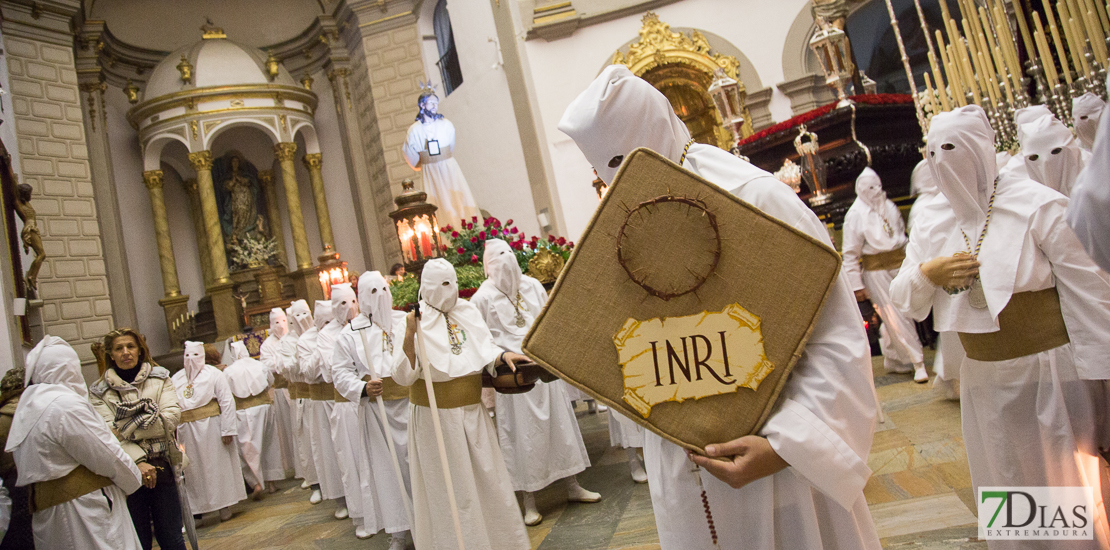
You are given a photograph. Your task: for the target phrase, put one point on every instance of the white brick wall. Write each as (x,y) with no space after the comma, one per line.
(51,144)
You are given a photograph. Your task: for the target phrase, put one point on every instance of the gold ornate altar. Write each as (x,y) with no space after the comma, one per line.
(682,68)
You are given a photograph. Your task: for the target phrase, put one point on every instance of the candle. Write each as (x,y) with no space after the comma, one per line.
(1020,15)
(1058,43)
(931,107)
(954,83)
(975,69)
(1007,42)
(1042,49)
(940,82)
(996,56)
(1094,31)
(1081,45)
(1100,9)
(1074,49)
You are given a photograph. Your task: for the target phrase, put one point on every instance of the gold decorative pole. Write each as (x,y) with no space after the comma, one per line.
(198,229)
(202,163)
(273,216)
(285,153)
(314,161)
(153,181)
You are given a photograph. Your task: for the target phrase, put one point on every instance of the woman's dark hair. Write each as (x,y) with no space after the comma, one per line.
(396,267)
(211,355)
(110,338)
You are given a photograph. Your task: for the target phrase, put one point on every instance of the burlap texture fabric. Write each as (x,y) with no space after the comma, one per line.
(208,410)
(1031,323)
(774,271)
(79,482)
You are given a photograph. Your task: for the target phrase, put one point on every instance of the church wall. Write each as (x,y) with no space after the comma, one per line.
(53,160)
(341,204)
(562,68)
(10,335)
(137,222)
(488,146)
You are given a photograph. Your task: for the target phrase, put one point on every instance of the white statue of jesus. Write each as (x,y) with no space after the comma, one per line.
(428,149)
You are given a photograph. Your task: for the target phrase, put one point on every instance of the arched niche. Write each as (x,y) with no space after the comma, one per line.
(681,63)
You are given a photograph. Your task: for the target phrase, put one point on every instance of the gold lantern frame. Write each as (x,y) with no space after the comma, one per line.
(659,46)
(415,216)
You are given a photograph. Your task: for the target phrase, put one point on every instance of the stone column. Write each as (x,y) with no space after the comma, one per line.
(273,216)
(153,181)
(202,163)
(313,162)
(285,153)
(198,229)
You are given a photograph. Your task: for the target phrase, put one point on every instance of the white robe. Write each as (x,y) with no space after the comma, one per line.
(488,509)
(927,210)
(275,358)
(538,432)
(259,449)
(1036,420)
(213,478)
(346,435)
(1090,199)
(443,180)
(63,431)
(316,422)
(865,233)
(822,426)
(625,433)
(384,498)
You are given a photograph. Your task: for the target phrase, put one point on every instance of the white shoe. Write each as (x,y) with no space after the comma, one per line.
(399,541)
(920,375)
(601,408)
(636,465)
(342,513)
(316,497)
(362,533)
(532,516)
(575,493)
(305,485)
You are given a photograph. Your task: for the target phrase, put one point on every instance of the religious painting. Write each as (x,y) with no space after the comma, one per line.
(241,203)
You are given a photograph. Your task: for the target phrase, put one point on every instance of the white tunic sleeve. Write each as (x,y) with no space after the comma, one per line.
(414,144)
(852,249)
(911,292)
(1084,291)
(74,424)
(345,366)
(229,423)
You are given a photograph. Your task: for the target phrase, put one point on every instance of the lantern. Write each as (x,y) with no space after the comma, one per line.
(812,166)
(333,276)
(832,49)
(725,92)
(417,229)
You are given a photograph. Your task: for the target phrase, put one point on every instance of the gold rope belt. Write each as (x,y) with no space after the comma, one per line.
(202,412)
(253,401)
(444,154)
(321,392)
(451,394)
(884,261)
(1030,323)
(81,481)
(280,382)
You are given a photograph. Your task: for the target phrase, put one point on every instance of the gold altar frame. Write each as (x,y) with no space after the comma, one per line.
(658,46)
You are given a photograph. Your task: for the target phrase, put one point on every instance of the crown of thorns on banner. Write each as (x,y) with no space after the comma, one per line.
(628,253)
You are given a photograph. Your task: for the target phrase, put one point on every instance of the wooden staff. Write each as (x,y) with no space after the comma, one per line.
(385,431)
(909,71)
(427,368)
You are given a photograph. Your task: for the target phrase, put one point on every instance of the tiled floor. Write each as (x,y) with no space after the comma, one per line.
(920,494)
